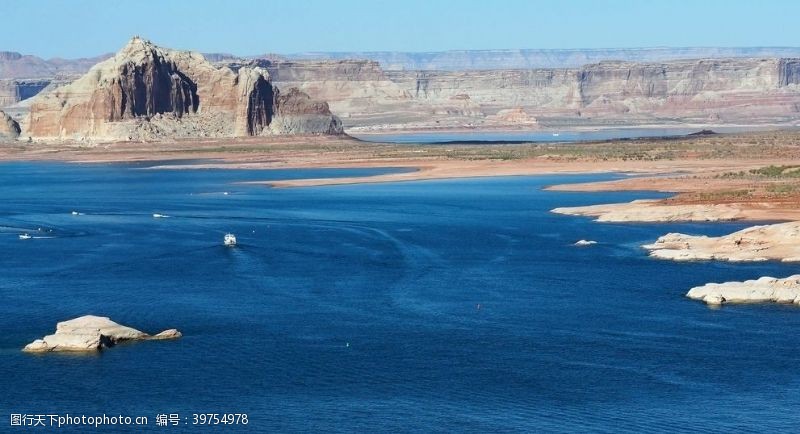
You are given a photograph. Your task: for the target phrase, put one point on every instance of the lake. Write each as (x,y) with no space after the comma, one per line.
(545,136)
(453,305)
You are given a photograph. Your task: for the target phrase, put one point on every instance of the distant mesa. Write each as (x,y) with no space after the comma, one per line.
(91,333)
(148,92)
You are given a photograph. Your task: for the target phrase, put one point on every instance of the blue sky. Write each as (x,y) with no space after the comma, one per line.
(78,28)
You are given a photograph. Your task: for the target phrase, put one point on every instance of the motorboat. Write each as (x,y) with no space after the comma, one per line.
(25,236)
(229,240)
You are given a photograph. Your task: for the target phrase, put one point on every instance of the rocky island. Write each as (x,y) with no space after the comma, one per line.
(91,333)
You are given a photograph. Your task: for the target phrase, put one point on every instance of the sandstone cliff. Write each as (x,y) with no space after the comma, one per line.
(13,91)
(149,92)
(734,90)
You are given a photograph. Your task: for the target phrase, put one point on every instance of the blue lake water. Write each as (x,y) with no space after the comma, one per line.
(566,135)
(464,304)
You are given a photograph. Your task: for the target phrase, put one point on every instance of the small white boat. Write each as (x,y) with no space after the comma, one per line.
(556,134)
(25,236)
(75,213)
(160,216)
(229,240)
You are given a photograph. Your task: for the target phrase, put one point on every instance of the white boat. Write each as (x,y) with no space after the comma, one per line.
(25,236)
(229,240)
(556,134)
(159,216)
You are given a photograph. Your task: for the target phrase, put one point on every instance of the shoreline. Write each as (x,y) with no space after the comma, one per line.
(688,167)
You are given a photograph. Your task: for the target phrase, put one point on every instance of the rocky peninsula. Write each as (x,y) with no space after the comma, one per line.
(654,211)
(780,242)
(91,333)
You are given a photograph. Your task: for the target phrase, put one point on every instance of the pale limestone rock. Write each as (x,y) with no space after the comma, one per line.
(763,290)
(167,334)
(91,333)
(648,210)
(758,243)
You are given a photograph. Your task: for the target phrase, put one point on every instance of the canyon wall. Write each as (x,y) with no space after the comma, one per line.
(739,90)
(14,90)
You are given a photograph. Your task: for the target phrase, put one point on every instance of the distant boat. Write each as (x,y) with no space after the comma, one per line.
(75,213)
(159,216)
(556,134)
(229,240)
(25,236)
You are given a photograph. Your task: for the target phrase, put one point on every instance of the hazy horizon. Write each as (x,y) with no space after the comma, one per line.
(250,27)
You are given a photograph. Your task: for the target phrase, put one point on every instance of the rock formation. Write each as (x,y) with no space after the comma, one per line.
(9,128)
(758,243)
(180,92)
(91,333)
(733,90)
(591,88)
(763,290)
(647,210)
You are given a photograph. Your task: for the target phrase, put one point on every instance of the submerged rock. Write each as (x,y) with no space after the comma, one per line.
(91,333)
(763,290)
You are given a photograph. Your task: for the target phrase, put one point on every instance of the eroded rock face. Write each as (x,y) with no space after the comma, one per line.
(9,128)
(91,333)
(190,97)
(297,112)
(151,87)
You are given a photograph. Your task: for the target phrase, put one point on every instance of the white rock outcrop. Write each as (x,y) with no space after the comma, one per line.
(780,242)
(648,210)
(763,290)
(91,333)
